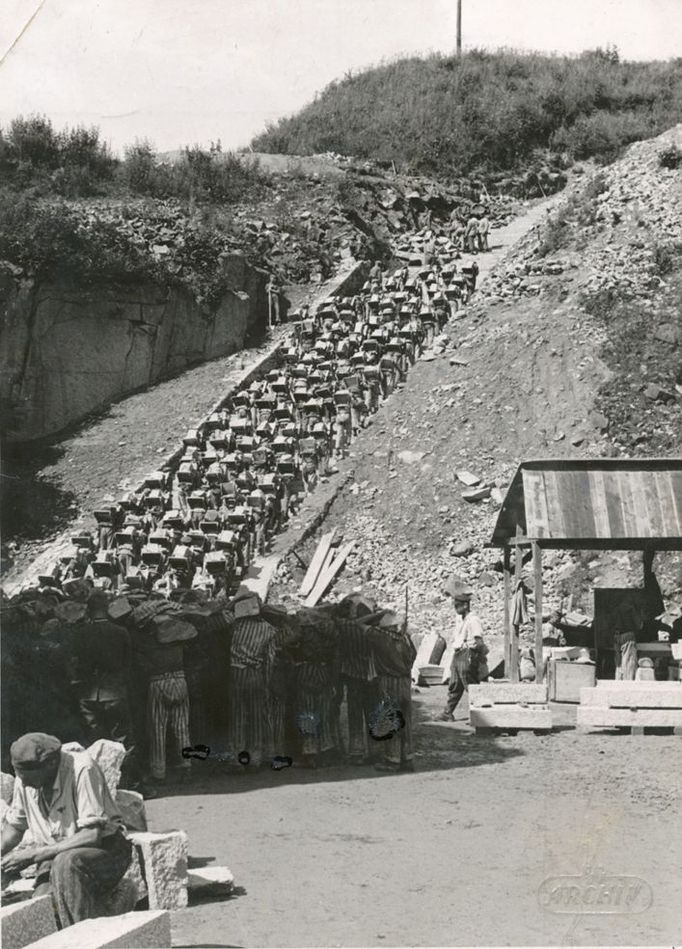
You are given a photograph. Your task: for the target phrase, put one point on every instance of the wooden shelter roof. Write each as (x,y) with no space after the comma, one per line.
(603,503)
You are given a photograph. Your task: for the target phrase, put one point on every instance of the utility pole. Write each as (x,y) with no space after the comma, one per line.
(459,28)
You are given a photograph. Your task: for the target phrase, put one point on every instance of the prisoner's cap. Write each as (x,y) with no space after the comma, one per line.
(457,589)
(34,750)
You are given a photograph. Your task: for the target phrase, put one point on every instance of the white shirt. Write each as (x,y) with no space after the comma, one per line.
(80,798)
(463,633)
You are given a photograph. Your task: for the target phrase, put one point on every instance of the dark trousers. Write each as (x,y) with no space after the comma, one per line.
(361,700)
(110,718)
(463,673)
(81,879)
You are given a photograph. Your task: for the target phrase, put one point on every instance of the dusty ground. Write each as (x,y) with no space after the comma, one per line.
(452,855)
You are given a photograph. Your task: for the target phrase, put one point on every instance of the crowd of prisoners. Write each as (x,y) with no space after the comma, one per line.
(246,468)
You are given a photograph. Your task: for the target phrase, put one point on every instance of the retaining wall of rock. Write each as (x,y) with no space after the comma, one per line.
(67,351)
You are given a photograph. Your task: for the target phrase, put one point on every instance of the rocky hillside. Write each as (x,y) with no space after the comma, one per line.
(573,349)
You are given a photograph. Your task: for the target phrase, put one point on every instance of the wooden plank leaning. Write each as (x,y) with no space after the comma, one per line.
(317,563)
(327,575)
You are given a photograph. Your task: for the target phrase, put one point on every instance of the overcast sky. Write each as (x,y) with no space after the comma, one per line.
(185,71)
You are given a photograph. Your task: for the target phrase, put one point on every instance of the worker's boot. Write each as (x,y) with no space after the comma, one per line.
(444,716)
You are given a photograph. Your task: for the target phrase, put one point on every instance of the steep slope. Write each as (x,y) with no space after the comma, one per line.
(541,371)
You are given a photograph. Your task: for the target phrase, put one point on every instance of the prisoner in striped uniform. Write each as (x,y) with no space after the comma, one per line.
(357,669)
(167,696)
(250,653)
(394,655)
(316,686)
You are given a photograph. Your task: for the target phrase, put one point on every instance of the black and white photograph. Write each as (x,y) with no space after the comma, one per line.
(340,473)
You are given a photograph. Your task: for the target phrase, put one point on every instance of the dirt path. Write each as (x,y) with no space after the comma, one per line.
(455,854)
(50,491)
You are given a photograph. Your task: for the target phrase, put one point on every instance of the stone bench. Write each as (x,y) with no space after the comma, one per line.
(148,930)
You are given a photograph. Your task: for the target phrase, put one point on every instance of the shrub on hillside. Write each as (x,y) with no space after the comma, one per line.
(485,112)
(71,163)
(198,176)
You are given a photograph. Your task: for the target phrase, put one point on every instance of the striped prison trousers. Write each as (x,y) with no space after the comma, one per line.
(397,690)
(167,705)
(249,720)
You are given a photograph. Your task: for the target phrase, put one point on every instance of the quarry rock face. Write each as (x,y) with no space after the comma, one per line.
(68,351)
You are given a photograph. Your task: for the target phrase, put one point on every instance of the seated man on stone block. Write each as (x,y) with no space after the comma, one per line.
(78,839)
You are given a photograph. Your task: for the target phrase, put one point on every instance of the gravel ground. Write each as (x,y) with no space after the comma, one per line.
(454,854)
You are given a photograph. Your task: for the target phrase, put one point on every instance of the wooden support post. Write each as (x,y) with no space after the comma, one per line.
(537,568)
(507,610)
(514,650)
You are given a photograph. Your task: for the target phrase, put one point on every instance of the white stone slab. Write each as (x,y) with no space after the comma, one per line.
(147,930)
(633,694)
(629,684)
(511,716)
(505,693)
(210,881)
(23,923)
(639,698)
(601,717)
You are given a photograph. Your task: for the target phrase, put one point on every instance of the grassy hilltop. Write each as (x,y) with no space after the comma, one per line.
(486,113)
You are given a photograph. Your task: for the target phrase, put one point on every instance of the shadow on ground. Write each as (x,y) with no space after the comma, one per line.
(438,747)
(32,507)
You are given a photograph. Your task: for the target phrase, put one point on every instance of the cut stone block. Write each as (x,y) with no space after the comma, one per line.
(72,746)
(612,684)
(476,494)
(4,807)
(601,717)
(633,694)
(131,805)
(469,479)
(24,923)
(638,698)
(164,864)
(6,787)
(109,755)
(505,693)
(535,717)
(210,881)
(147,930)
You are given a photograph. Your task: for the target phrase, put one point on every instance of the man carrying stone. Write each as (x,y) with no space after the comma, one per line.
(394,655)
(483,231)
(471,235)
(358,674)
(251,652)
(79,842)
(466,651)
(101,672)
(163,648)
